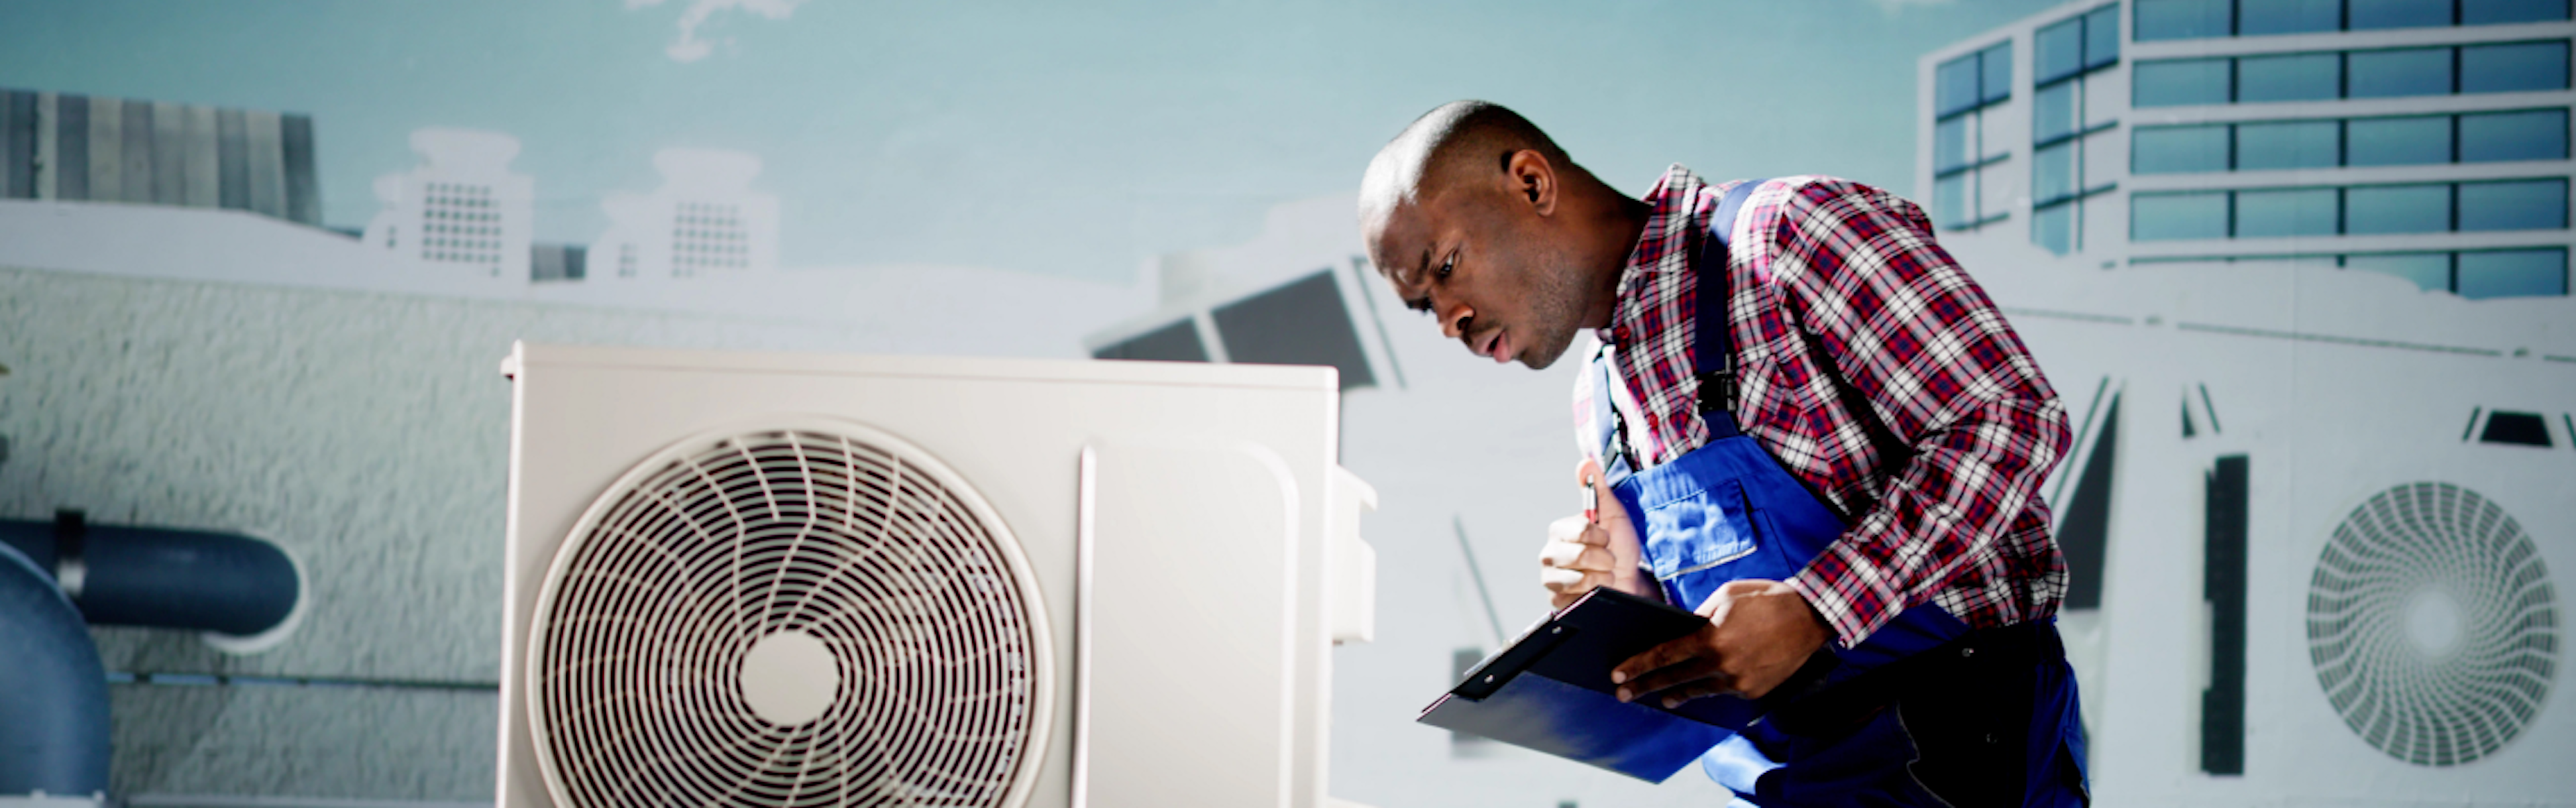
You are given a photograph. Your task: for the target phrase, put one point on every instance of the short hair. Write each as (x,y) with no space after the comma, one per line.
(1450,138)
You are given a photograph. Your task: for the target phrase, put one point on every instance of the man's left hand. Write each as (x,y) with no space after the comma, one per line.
(1758,633)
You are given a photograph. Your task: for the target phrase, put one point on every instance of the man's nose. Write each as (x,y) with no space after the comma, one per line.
(1454,318)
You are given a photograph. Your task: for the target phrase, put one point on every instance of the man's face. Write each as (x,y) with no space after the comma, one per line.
(1487,266)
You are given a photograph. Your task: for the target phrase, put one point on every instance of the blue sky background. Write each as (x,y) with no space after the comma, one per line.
(1064,138)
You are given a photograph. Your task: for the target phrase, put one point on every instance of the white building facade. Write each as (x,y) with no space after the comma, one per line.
(704,221)
(2426,139)
(462,206)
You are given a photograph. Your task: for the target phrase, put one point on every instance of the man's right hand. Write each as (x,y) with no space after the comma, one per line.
(1582,554)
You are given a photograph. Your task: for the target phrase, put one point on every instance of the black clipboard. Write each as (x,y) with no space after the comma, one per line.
(1550,691)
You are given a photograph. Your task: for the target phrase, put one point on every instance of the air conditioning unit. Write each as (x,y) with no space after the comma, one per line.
(754,579)
(2406,581)
(2338,572)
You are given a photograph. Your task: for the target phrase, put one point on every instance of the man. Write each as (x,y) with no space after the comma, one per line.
(1837,450)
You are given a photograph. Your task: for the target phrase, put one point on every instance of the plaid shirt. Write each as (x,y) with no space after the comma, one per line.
(1840,299)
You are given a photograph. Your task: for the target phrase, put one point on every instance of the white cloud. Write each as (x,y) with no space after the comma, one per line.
(689,48)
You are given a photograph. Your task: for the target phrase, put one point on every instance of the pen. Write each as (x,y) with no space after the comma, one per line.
(1591,499)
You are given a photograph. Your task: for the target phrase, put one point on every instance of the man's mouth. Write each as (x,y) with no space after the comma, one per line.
(1496,347)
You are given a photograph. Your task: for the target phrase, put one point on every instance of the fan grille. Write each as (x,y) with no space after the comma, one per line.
(675,660)
(2432,624)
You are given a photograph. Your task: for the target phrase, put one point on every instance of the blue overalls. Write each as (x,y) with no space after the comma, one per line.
(1728,511)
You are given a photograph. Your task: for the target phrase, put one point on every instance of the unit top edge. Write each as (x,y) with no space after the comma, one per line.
(528,357)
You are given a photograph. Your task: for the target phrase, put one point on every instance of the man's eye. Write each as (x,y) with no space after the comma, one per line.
(1446,266)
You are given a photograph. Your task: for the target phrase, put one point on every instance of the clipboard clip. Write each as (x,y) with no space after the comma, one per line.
(1492,674)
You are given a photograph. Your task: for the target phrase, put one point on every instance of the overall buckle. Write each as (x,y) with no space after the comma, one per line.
(1718,390)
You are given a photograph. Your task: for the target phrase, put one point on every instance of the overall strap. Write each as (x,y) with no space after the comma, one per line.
(1713,346)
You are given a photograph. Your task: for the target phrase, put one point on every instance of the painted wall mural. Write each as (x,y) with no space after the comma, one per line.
(258,261)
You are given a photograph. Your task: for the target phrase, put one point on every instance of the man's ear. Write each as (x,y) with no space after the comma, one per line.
(1534,179)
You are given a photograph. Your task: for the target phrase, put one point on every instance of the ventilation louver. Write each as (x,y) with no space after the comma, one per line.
(798,617)
(2432,624)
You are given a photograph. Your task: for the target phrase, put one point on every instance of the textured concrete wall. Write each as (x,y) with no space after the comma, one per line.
(365,432)
(368,743)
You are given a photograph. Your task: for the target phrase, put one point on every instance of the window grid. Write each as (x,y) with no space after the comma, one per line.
(2455,74)
(2094,37)
(2499,210)
(2148,87)
(1965,90)
(2467,273)
(2059,227)
(1969,83)
(2077,184)
(2067,55)
(2081,129)
(2145,159)
(2165,20)
(461,224)
(708,236)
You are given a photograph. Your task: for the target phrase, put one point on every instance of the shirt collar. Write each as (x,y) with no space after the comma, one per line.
(1676,205)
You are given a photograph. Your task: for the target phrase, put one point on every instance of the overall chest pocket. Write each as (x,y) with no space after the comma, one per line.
(1698,530)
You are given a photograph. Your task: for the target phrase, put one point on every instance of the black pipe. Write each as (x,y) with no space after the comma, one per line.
(161,577)
(53,689)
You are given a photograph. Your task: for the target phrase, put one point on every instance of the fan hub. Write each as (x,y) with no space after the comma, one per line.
(789,678)
(2433,622)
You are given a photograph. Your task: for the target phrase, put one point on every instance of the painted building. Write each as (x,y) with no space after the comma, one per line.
(61,146)
(704,221)
(461,207)
(2426,139)
(2317,249)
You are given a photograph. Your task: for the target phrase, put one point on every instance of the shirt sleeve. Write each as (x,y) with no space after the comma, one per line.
(1939,366)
